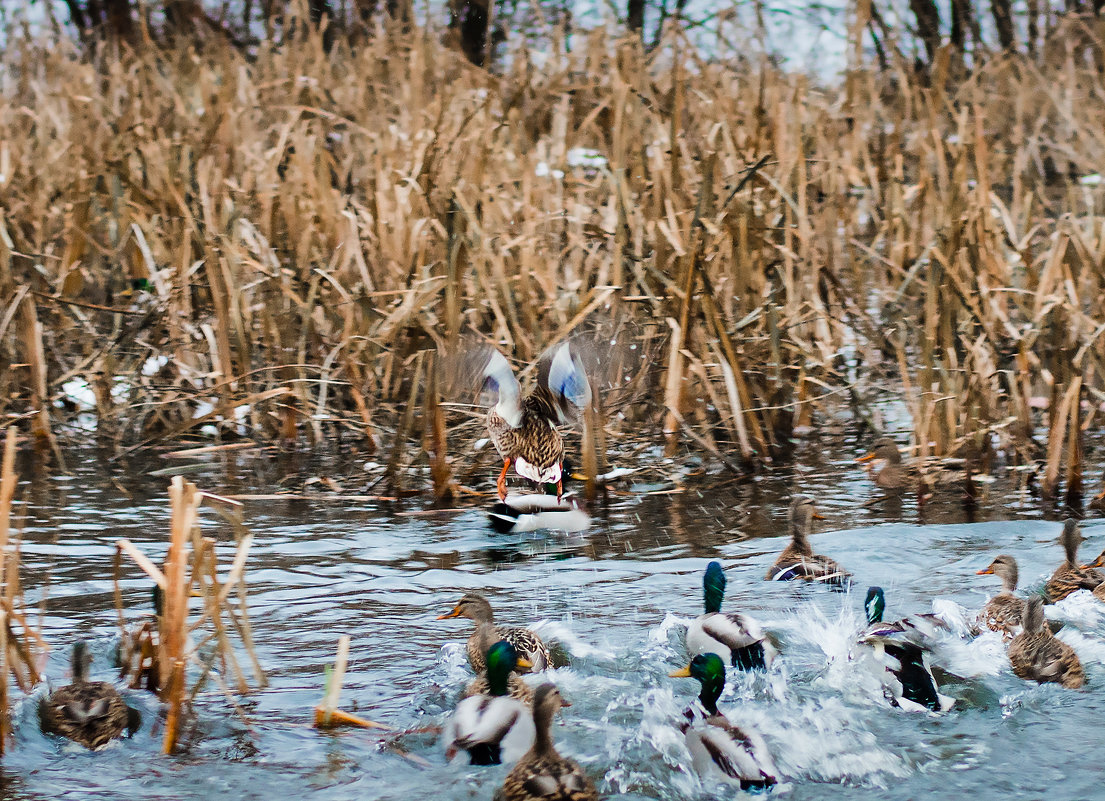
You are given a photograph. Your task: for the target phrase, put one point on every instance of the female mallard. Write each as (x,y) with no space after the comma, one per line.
(913,686)
(91,713)
(799,561)
(1099,590)
(516,688)
(1005,611)
(494,727)
(893,476)
(1070,577)
(543,773)
(736,638)
(523,429)
(478,610)
(1038,655)
(716,745)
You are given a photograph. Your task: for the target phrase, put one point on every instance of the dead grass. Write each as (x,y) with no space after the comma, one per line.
(302,227)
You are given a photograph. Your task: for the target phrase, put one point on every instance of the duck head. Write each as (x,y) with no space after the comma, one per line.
(710,672)
(875,605)
(713,587)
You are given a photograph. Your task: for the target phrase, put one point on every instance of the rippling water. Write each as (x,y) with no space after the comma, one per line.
(615,599)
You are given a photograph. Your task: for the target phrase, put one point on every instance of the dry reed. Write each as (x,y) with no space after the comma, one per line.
(158,653)
(278,243)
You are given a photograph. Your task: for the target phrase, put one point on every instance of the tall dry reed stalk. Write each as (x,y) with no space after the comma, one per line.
(283,238)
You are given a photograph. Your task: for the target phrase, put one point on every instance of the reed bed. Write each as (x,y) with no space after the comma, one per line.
(23,651)
(280,244)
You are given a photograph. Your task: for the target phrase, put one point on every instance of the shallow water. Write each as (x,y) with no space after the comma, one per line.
(614,598)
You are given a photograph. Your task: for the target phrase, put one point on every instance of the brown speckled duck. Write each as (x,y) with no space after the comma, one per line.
(1005,611)
(798,561)
(524,428)
(516,688)
(478,610)
(894,476)
(1070,576)
(1037,655)
(91,713)
(543,774)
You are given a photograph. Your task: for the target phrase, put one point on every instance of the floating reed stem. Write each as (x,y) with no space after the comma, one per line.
(327,714)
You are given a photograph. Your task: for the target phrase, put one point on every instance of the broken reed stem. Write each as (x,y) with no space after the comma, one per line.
(184,503)
(327,714)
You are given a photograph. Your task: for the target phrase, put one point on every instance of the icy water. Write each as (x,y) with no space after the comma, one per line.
(615,600)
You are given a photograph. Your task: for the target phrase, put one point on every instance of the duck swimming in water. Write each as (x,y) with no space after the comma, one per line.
(1070,576)
(91,713)
(1005,611)
(736,638)
(1038,655)
(798,561)
(543,774)
(492,727)
(477,609)
(718,748)
(912,686)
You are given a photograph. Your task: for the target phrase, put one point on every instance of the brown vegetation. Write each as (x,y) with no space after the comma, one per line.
(294,230)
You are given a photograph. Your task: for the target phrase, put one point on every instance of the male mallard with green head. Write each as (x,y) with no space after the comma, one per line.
(1070,576)
(798,561)
(516,687)
(718,748)
(1038,655)
(736,638)
(492,727)
(1005,611)
(913,686)
(91,713)
(524,428)
(543,774)
(478,610)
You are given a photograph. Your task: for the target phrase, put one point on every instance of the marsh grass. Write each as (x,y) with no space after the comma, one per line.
(278,245)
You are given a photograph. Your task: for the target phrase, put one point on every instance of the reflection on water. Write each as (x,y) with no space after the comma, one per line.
(614,598)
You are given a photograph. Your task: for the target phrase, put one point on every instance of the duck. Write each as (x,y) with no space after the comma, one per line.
(493,727)
(523,513)
(477,609)
(91,713)
(736,638)
(893,476)
(523,428)
(1038,655)
(913,686)
(798,561)
(1070,576)
(1005,611)
(516,687)
(718,748)
(1099,590)
(543,774)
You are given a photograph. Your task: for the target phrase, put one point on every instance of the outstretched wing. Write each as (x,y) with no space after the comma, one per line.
(475,366)
(561,372)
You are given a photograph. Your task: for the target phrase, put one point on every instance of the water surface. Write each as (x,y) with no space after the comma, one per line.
(614,598)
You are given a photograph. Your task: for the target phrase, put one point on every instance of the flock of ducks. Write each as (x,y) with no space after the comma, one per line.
(500,719)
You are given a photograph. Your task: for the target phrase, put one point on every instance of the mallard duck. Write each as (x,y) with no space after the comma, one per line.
(913,686)
(478,610)
(1099,590)
(535,512)
(492,728)
(736,638)
(1070,577)
(1038,655)
(799,561)
(516,688)
(893,476)
(543,773)
(1005,610)
(718,748)
(91,713)
(524,428)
